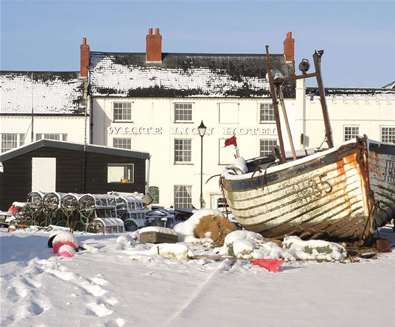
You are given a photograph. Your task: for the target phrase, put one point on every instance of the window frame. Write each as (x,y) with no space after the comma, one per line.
(131,180)
(392,128)
(123,139)
(15,139)
(122,117)
(188,191)
(270,115)
(182,162)
(260,145)
(351,127)
(175,104)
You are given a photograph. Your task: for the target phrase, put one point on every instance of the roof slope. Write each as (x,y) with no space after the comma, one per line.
(46,92)
(390,85)
(71,146)
(183,75)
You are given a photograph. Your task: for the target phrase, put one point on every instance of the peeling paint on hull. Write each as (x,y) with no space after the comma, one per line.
(323,195)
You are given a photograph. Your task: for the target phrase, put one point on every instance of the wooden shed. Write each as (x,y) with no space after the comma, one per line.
(50,166)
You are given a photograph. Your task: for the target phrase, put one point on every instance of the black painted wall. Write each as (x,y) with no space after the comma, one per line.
(15,181)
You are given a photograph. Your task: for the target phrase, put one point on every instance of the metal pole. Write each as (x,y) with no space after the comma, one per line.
(201,171)
(275,105)
(284,111)
(32,127)
(317,65)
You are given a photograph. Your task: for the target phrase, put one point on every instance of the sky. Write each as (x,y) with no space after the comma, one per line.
(357,36)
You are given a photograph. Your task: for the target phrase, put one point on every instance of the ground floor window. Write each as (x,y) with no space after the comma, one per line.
(182,196)
(11,140)
(266,147)
(182,150)
(388,134)
(120,173)
(350,132)
(52,136)
(154,192)
(122,143)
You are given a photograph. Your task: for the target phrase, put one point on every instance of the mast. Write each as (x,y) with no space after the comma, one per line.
(275,105)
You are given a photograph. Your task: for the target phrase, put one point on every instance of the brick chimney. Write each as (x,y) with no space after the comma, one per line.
(154,46)
(289,48)
(84,56)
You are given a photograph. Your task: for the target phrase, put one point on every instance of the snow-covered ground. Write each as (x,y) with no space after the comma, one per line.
(114,283)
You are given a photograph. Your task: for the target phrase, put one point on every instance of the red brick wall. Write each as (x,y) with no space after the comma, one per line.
(289,47)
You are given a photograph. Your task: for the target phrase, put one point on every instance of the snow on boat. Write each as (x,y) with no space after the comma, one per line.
(341,193)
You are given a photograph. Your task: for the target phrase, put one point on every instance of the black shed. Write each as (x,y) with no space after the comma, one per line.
(50,166)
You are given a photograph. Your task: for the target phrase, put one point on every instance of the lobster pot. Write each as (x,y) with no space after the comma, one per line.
(107,225)
(86,204)
(35,200)
(52,200)
(69,202)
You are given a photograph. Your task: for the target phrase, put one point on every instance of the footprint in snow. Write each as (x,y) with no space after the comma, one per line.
(119,322)
(99,310)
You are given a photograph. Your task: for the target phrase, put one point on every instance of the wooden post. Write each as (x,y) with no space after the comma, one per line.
(284,111)
(317,65)
(275,105)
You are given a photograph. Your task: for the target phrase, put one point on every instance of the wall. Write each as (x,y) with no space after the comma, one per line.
(153,130)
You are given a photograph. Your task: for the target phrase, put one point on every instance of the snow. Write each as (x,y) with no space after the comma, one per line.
(18,93)
(157,229)
(108,286)
(120,78)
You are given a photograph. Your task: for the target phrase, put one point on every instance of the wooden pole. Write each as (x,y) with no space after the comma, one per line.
(275,105)
(284,111)
(317,65)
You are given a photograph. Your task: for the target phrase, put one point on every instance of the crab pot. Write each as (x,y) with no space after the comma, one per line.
(106,226)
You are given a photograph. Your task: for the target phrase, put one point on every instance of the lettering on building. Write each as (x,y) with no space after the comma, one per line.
(258,131)
(119,130)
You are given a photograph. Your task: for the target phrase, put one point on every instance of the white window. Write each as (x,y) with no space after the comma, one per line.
(350,132)
(122,111)
(8,141)
(182,150)
(266,113)
(122,143)
(52,136)
(388,134)
(183,112)
(228,113)
(226,154)
(266,147)
(182,196)
(120,173)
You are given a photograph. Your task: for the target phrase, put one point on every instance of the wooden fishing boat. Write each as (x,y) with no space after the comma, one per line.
(341,193)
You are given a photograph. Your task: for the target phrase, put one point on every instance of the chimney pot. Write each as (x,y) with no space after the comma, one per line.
(289,48)
(84,58)
(154,46)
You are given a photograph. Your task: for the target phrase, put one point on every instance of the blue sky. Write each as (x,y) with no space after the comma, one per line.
(358,36)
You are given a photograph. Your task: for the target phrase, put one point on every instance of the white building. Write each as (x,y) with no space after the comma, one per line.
(155,101)
(37,105)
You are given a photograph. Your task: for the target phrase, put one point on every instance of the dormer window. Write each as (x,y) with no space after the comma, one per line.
(122,112)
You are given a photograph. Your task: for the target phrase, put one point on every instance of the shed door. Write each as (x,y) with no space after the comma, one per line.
(44,174)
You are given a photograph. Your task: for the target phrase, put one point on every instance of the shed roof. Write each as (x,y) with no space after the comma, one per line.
(43,143)
(184,75)
(46,92)
(344,91)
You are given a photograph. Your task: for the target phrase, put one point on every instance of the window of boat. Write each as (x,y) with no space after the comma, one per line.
(228,112)
(120,173)
(182,112)
(182,151)
(350,132)
(122,111)
(182,196)
(122,143)
(154,192)
(266,113)
(388,134)
(266,146)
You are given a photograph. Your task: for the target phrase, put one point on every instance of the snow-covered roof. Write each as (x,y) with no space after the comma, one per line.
(337,91)
(183,75)
(46,92)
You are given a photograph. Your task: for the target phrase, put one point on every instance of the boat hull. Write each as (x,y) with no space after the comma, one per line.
(381,159)
(321,196)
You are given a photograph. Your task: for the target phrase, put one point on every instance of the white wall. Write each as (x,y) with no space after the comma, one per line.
(153,130)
